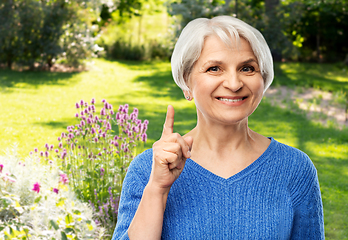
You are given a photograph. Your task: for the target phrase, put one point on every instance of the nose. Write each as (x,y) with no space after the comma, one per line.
(233,82)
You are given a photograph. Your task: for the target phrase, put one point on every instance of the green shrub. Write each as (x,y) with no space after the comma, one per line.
(35,202)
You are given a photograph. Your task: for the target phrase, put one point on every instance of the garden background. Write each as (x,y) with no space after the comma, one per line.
(54,53)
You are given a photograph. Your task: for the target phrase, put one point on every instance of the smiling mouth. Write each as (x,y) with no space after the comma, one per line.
(231,100)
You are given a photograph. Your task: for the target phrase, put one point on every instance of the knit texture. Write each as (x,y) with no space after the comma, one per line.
(276,197)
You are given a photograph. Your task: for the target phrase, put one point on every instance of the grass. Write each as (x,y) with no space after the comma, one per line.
(37,106)
(328,77)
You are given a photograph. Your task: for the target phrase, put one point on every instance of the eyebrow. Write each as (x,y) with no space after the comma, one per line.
(249,61)
(217,62)
(213,62)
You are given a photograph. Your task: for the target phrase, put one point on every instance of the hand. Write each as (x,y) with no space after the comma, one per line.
(169,155)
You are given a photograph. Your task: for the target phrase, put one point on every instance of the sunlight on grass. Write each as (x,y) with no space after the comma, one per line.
(38,106)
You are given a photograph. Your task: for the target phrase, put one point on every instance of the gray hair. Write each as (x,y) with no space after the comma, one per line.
(189,46)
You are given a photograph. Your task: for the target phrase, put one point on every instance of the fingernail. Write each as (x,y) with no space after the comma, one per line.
(188,154)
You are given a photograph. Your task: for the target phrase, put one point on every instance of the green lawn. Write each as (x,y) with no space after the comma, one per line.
(37,106)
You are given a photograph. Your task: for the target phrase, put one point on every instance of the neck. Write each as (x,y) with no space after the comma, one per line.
(222,139)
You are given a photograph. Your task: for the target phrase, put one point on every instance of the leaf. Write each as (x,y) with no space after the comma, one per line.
(64,237)
(77,212)
(90,227)
(68,219)
(54,224)
(69,230)
(37,199)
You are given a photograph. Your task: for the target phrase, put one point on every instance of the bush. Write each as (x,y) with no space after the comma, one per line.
(95,159)
(46,31)
(36,203)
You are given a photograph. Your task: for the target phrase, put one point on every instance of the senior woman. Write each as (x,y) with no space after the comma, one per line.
(221,180)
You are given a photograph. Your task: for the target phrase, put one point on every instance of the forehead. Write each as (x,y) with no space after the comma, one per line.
(214,45)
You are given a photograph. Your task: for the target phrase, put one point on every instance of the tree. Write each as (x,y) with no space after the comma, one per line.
(42,31)
(318,29)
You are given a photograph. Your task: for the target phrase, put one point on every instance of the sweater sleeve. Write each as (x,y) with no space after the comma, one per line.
(307,204)
(132,190)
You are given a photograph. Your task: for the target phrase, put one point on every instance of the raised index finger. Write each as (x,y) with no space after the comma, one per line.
(169,123)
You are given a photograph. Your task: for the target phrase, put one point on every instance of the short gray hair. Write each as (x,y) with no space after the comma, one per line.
(189,46)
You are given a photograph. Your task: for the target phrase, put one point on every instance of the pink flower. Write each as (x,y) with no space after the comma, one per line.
(36,187)
(56,190)
(63,178)
(1,167)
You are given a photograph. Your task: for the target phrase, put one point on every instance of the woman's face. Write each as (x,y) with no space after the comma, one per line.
(226,82)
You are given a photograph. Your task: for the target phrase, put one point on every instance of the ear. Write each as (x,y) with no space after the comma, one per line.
(187,95)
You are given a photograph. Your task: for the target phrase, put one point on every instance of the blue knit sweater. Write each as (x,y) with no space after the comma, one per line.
(276,197)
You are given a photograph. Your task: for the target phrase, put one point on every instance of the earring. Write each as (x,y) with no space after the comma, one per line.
(188,98)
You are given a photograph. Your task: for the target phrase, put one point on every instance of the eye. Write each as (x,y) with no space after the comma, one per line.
(248,69)
(213,69)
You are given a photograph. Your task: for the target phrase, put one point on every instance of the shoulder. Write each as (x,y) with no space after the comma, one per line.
(301,172)
(292,157)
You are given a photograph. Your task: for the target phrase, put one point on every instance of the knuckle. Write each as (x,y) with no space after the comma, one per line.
(176,135)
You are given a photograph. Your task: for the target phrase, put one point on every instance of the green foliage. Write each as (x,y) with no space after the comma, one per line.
(49,210)
(317,28)
(45,31)
(150,87)
(96,157)
(143,37)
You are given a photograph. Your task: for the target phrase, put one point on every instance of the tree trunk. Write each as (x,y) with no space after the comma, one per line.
(9,61)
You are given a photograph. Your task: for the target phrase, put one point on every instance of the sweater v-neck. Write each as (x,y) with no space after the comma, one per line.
(193,166)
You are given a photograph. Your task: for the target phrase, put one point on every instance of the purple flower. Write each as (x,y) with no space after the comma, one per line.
(56,190)
(92,131)
(92,101)
(47,154)
(81,102)
(36,187)
(59,139)
(60,145)
(47,146)
(63,178)
(102,170)
(51,147)
(144,137)
(103,112)
(35,150)
(1,167)
(103,100)
(56,150)
(63,154)
(71,135)
(83,123)
(41,153)
(77,105)
(77,115)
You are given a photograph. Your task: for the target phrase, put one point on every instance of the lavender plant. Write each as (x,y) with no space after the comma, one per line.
(96,152)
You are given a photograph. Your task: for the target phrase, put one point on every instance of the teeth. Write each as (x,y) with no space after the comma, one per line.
(230,100)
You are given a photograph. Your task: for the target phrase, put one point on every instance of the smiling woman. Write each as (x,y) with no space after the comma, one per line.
(221,180)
